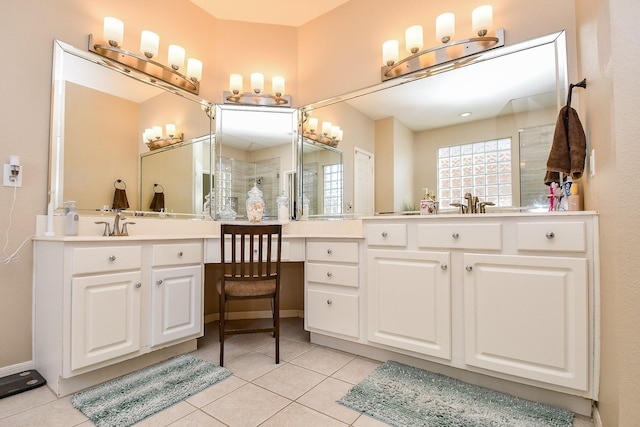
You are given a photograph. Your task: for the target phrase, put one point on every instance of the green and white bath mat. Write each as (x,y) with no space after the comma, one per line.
(402,395)
(131,398)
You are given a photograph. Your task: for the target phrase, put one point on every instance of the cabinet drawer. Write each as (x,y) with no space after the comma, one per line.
(333,274)
(332,312)
(463,236)
(552,236)
(332,251)
(387,234)
(106,259)
(177,253)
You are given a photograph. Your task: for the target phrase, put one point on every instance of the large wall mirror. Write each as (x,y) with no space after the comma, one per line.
(254,146)
(485,127)
(99,114)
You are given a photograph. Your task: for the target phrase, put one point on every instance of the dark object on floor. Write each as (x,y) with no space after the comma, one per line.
(17,383)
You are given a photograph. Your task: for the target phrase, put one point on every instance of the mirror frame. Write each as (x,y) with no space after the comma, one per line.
(55,182)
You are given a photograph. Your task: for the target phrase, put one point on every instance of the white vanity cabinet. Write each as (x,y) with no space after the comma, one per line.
(408,293)
(332,287)
(510,296)
(176,292)
(104,301)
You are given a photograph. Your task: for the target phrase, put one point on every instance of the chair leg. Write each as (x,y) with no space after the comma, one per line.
(221,328)
(276,319)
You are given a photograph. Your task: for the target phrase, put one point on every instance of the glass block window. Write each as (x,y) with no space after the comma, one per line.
(482,169)
(332,180)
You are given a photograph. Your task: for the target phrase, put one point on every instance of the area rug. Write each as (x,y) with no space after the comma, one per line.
(402,395)
(131,398)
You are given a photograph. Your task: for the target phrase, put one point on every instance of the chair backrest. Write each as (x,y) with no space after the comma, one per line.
(254,254)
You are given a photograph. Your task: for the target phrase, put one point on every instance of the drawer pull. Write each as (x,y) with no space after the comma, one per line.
(159,282)
(384,234)
(468,267)
(455,235)
(444,266)
(329,302)
(550,234)
(112,258)
(329,251)
(329,274)
(180,253)
(138,285)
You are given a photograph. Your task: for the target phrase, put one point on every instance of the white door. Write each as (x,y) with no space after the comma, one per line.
(176,303)
(528,316)
(409,301)
(105,317)
(363,176)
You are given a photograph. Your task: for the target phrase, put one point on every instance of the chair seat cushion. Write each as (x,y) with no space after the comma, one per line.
(248,289)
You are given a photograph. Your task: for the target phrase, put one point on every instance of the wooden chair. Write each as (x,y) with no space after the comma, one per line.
(250,270)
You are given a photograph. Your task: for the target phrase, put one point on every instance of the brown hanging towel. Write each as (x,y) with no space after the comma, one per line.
(568,149)
(120,196)
(157,203)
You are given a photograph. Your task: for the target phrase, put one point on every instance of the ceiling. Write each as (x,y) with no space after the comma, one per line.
(278,12)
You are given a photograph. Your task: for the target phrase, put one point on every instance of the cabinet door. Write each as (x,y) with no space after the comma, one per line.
(409,301)
(528,316)
(176,303)
(105,317)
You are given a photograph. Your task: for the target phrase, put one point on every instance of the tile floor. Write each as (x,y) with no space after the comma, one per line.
(301,391)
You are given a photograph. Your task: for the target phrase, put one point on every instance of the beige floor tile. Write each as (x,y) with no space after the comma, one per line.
(289,349)
(323,360)
(367,421)
(247,406)
(197,419)
(324,398)
(289,380)
(251,366)
(296,415)
(250,341)
(216,391)
(168,416)
(26,400)
(356,370)
(56,413)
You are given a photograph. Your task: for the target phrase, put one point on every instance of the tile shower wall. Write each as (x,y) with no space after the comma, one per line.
(535,144)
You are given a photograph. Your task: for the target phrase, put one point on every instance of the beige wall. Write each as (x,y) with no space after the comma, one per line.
(332,55)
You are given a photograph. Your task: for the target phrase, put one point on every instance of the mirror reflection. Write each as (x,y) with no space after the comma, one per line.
(254,146)
(484,128)
(97,146)
(322,179)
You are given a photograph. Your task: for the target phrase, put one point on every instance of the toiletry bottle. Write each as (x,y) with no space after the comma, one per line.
(283,208)
(573,203)
(71,218)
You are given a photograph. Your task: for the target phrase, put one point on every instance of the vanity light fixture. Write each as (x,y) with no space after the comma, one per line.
(154,139)
(235,95)
(172,75)
(330,134)
(449,52)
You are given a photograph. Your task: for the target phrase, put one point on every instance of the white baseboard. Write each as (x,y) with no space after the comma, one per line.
(14,369)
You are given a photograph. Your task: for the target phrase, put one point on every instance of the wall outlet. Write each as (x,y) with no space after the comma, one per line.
(9,180)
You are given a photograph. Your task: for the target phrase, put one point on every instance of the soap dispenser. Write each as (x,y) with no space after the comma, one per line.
(71,218)
(428,204)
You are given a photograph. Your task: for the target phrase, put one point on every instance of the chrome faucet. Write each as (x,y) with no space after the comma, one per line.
(472,205)
(117,229)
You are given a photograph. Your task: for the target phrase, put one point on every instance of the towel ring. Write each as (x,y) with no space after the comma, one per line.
(119,181)
(161,188)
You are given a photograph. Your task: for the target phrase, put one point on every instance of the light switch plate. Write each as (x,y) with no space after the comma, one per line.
(6,180)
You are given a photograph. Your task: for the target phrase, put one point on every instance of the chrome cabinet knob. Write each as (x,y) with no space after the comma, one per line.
(444,266)
(384,234)
(180,253)
(550,235)
(468,267)
(329,251)
(329,302)
(329,274)
(159,282)
(138,285)
(112,258)
(455,235)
